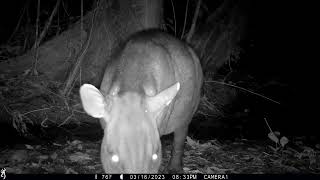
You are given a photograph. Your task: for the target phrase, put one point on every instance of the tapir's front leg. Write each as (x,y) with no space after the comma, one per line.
(175,164)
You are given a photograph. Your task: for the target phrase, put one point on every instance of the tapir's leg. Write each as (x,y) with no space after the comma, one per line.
(175,164)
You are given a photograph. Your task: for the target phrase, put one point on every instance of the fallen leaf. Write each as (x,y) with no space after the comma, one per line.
(29,146)
(54,155)
(19,156)
(79,156)
(273,137)
(43,157)
(284,141)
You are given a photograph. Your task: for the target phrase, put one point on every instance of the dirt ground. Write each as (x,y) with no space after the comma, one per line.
(213,156)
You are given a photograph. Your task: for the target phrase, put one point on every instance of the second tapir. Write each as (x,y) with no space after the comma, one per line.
(150,88)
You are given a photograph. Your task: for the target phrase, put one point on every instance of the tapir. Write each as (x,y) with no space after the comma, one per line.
(151,87)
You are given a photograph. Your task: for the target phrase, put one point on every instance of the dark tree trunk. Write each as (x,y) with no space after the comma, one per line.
(76,55)
(114,20)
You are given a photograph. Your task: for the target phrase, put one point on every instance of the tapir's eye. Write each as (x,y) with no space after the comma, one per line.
(115,158)
(154,156)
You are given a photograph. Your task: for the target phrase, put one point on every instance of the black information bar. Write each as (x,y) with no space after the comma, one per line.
(161,176)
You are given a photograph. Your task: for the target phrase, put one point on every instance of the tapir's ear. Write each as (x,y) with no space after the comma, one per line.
(163,98)
(92,101)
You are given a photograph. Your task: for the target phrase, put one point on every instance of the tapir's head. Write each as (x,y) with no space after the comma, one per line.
(131,142)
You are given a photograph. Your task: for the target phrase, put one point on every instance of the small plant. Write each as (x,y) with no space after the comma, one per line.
(20,122)
(274,136)
(309,153)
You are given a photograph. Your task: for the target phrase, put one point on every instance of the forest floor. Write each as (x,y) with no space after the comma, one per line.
(218,157)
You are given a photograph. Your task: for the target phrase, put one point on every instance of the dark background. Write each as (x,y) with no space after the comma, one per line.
(276,47)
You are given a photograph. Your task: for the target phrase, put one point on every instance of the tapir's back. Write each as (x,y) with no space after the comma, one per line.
(150,62)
